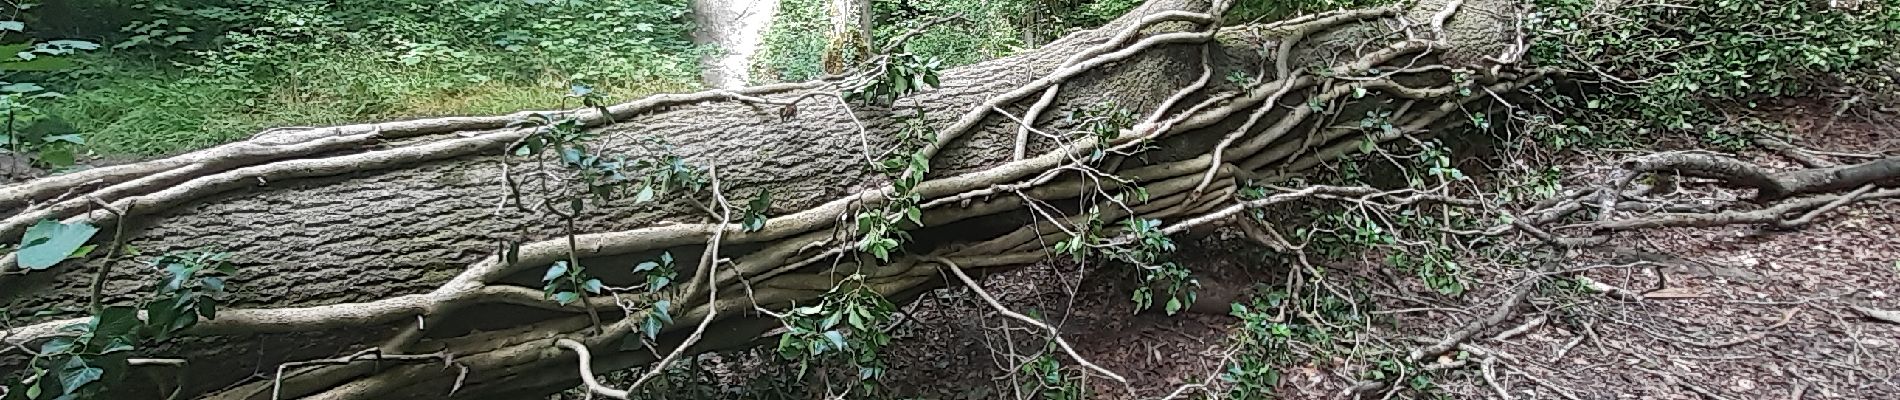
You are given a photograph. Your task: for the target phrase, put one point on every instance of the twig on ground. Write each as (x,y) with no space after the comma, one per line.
(1786,316)
(1490,377)
(1611,290)
(1561,352)
(1678,381)
(1503,312)
(1804,219)
(1054,334)
(1795,153)
(1520,329)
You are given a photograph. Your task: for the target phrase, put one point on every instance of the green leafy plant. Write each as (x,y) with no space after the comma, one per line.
(86,359)
(565,283)
(659,275)
(1668,67)
(596,177)
(85,362)
(1283,328)
(193,285)
(844,331)
(897,76)
(754,218)
(881,231)
(1104,122)
(28,130)
(1088,236)
(1240,79)
(610,176)
(1148,252)
(1044,375)
(188,73)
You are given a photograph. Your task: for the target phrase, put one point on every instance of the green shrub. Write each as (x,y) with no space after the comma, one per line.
(188,74)
(1668,64)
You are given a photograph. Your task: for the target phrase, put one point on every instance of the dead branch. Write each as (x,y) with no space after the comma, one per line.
(1770,186)
(1504,311)
(1879,314)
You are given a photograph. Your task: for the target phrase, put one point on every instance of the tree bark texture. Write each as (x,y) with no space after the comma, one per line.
(735,29)
(386,235)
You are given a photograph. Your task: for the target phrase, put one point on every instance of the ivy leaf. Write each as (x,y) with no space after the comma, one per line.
(160,313)
(49,242)
(555,271)
(57,345)
(836,338)
(1174,305)
(663,309)
(831,321)
(591,286)
(755,211)
(564,298)
(651,328)
(208,309)
(115,322)
(76,374)
(856,321)
(645,195)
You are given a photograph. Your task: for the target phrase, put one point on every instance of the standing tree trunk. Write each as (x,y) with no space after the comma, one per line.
(849,41)
(735,29)
(414,238)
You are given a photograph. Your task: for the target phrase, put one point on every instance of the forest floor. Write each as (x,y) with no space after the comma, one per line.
(1736,312)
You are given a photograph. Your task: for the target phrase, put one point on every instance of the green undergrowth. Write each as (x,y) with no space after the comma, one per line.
(795,42)
(177,75)
(1686,67)
(1286,332)
(989,30)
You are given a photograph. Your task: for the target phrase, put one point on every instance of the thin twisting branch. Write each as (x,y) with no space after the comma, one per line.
(587,369)
(708,265)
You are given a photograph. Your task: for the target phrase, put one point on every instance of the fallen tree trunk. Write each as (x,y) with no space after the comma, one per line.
(414,243)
